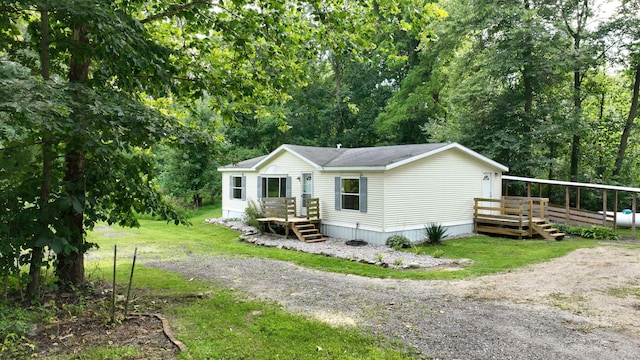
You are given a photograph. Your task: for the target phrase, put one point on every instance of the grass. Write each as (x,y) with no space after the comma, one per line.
(489,254)
(228,325)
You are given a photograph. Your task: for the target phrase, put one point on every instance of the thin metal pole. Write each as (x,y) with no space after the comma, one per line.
(113,290)
(133,266)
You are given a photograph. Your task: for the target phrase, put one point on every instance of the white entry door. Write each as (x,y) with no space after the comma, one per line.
(307,191)
(487,185)
(487,189)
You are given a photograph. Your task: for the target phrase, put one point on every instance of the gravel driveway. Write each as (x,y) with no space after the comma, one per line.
(439,319)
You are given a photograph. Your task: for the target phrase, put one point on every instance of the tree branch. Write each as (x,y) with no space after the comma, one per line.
(173,10)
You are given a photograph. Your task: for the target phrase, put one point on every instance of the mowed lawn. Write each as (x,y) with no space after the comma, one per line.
(228,325)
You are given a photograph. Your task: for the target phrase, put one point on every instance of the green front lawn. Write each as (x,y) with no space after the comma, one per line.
(228,325)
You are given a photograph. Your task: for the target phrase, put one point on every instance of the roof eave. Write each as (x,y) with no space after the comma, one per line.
(445,148)
(353,168)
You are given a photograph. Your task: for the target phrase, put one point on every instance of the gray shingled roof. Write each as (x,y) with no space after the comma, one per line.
(367,156)
(346,157)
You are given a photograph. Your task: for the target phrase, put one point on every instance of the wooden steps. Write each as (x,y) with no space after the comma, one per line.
(546,230)
(307,231)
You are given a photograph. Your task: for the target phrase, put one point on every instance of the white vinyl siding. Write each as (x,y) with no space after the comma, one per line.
(439,189)
(325,183)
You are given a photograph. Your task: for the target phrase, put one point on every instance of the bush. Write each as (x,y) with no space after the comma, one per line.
(599,233)
(251,215)
(593,232)
(434,233)
(398,242)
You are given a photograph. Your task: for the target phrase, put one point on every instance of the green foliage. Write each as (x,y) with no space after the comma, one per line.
(15,328)
(592,232)
(438,253)
(398,242)
(252,213)
(434,233)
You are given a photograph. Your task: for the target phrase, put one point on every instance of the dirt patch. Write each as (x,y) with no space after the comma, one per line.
(81,321)
(602,284)
(547,311)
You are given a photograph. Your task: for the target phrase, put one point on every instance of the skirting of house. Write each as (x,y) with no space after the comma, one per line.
(231,214)
(371,236)
(380,238)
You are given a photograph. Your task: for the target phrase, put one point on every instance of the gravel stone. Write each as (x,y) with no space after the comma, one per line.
(379,255)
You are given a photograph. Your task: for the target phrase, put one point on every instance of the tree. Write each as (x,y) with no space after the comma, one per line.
(625,36)
(100,63)
(188,171)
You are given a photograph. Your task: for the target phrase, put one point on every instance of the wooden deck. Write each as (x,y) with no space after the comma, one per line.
(514,216)
(282,211)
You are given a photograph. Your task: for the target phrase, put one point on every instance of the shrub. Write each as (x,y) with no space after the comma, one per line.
(593,232)
(438,253)
(251,215)
(599,233)
(434,233)
(398,242)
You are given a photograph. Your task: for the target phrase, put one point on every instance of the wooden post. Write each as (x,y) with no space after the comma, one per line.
(633,216)
(578,198)
(528,189)
(604,208)
(505,188)
(615,210)
(567,209)
(530,216)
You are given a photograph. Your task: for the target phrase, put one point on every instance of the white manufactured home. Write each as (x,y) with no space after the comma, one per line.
(370,193)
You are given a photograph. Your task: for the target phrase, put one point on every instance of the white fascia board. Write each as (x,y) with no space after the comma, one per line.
(445,148)
(354,168)
(268,157)
(236,169)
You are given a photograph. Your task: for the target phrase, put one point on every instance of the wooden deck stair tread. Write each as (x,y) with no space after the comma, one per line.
(307,232)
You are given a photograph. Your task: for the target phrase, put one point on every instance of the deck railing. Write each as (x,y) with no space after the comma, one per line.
(509,215)
(286,207)
(281,207)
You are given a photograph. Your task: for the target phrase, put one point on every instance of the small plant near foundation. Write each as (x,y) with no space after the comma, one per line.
(434,233)
(593,232)
(599,233)
(438,253)
(251,215)
(398,242)
(397,262)
(378,257)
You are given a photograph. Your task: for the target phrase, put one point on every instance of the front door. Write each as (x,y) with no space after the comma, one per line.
(487,189)
(307,191)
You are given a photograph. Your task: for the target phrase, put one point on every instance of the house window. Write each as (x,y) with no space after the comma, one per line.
(237,186)
(350,193)
(273,187)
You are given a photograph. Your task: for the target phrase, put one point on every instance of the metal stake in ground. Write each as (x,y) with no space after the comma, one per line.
(133,265)
(113,292)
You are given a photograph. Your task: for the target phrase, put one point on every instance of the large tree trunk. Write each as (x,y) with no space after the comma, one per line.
(35,264)
(70,267)
(633,112)
(577,109)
